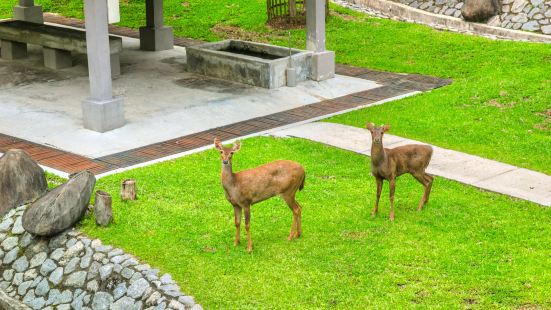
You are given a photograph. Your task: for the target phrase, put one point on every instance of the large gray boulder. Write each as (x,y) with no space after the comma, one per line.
(479,10)
(21,180)
(61,208)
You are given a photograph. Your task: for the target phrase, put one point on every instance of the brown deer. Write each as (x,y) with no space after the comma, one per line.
(245,188)
(388,164)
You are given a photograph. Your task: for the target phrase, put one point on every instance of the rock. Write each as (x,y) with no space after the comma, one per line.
(26,239)
(92,286)
(546,29)
(119,290)
(72,265)
(42,288)
(56,276)
(57,254)
(102,301)
(36,281)
(47,267)
(30,274)
(61,208)
(21,264)
(10,243)
(105,271)
(76,279)
(479,10)
(174,304)
(6,224)
(65,297)
(64,307)
(531,26)
(135,277)
(93,270)
(137,288)
(8,274)
(22,289)
(152,300)
(21,180)
(125,303)
(53,296)
(74,250)
(114,252)
(18,278)
(38,259)
(18,227)
(127,273)
(187,301)
(167,279)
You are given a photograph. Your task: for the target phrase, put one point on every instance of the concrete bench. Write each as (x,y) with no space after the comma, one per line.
(58,43)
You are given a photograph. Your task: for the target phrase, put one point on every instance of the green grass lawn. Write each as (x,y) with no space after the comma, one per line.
(466,248)
(499,105)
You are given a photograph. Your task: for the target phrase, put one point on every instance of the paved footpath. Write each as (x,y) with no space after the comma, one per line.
(473,170)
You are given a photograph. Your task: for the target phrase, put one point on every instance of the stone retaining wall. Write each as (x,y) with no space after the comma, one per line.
(71,271)
(529,15)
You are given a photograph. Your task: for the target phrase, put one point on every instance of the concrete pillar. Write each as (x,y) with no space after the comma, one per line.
(27,11)
(155,36)
(101,111)
(323,61)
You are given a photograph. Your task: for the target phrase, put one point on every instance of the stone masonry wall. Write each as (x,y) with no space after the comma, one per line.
(529,15)
(71,271)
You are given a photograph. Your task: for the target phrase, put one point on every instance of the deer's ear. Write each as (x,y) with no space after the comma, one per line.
(370,126)
(236,146)
(386,127)
(217,144)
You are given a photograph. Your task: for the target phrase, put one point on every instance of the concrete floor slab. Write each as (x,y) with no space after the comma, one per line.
(162,100)
(465,168)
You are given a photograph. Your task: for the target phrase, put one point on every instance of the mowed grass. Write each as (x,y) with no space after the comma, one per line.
(466,248)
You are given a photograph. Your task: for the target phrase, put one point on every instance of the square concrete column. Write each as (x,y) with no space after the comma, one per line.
(13,50)
(27,11)
(323,61)
(101,111)
(155,36)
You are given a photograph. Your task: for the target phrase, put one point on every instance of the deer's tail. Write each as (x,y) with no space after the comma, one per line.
(301,187)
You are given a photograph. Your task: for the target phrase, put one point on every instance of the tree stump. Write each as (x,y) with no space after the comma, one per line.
(128,190)
(103,209)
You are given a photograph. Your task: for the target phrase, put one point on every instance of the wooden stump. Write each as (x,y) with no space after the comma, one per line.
(128,190)
(103,209)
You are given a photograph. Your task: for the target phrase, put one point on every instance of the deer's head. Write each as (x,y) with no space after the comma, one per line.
(226,153)
(377,132)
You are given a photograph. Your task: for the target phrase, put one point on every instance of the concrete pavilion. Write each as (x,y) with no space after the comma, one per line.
(102,111)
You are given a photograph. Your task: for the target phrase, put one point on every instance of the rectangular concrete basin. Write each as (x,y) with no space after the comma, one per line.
(252,63)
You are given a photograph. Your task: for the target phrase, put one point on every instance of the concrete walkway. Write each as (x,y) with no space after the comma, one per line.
(473,170)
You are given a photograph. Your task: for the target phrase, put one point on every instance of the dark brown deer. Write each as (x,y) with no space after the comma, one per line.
(388,164)
(245,188)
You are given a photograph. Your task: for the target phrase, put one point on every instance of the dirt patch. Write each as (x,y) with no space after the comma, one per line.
(12,75)
(237,33)
(502,102)
(354,235)
(546,124)
(211,84)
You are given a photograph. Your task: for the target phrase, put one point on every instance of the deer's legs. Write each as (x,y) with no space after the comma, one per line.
(247,210)
(379,189)
(299,219)
(428,188)
(426,180)
(237,214)
(392,186)
(294,206)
